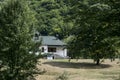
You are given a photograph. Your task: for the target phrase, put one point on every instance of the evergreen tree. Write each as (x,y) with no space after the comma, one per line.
(16,28)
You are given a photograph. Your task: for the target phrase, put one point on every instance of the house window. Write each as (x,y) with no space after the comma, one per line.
(42,49)
(51,49)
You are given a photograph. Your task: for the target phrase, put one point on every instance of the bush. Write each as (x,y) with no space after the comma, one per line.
(63,76)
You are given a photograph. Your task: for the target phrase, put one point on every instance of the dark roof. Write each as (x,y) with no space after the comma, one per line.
(51,40)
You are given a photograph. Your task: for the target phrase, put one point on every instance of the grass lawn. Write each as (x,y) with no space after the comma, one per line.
(83,69)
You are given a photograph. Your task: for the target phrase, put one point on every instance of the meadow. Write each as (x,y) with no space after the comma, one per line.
(83,69)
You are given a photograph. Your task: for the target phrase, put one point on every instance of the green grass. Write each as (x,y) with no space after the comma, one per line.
(84,69)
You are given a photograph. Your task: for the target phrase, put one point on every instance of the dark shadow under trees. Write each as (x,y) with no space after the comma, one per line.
(77,65)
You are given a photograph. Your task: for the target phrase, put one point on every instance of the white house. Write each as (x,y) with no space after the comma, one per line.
(52,45)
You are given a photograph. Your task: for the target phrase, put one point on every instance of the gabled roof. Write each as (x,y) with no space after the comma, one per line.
(51,40)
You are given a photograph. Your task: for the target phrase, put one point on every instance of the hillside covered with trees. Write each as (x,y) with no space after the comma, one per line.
(90,27)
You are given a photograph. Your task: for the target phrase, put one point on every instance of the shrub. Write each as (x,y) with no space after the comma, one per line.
(63,76)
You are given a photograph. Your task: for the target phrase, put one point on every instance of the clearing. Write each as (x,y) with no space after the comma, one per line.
(83,69)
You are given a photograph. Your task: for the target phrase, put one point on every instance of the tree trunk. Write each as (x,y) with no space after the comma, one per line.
(98,62)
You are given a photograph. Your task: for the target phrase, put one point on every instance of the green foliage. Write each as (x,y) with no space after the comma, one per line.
(50,15)
(16,28)
(93,23)
(93,31)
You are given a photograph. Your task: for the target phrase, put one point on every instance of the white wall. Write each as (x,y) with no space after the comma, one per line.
(65,52)
(59,51)
(45,49)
